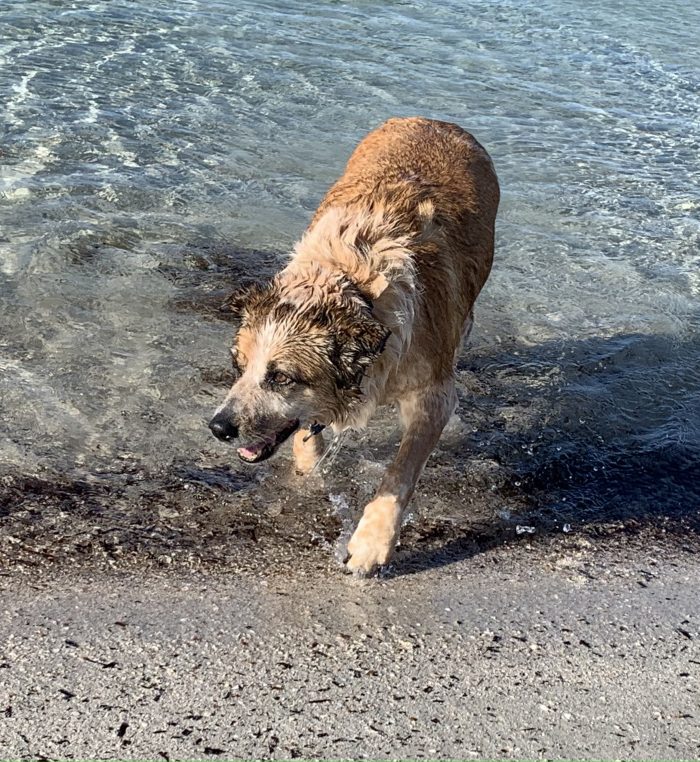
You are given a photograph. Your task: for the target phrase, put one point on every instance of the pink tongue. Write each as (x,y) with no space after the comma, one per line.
(251,451)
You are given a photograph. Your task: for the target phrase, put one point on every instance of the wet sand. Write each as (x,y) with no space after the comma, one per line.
(566,646)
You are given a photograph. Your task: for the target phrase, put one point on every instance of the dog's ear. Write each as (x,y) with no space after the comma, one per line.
(357,346)
(234,303)
(240,300)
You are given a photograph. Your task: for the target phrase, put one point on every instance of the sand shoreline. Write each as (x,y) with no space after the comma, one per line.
(532,650)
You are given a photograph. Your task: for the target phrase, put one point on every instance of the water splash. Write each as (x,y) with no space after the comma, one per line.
(325,462)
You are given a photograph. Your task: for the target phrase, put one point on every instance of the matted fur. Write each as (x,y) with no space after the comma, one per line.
(371,310)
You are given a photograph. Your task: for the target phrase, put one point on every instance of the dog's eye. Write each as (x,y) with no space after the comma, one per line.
(281,379)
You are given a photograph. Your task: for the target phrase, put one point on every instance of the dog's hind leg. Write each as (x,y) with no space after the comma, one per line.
(424,414)
(308,449)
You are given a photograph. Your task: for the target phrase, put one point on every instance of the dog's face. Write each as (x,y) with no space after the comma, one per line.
(302,349)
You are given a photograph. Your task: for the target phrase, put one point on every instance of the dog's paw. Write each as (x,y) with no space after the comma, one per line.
(373,542)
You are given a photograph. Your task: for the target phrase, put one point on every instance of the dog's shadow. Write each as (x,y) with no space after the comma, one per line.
(600,435)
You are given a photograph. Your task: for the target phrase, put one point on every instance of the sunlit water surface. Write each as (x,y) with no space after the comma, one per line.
(156,154)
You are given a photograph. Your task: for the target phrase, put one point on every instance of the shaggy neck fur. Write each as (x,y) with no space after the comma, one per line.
(366,250)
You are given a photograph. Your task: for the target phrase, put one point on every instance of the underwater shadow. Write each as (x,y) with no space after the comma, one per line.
(600,436)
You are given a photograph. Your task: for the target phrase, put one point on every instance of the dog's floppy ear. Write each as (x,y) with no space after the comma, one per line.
(357,346)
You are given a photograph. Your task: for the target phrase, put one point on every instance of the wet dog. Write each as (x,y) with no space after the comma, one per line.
(371,309)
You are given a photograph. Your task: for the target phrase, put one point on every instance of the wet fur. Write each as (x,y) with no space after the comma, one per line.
(373,306)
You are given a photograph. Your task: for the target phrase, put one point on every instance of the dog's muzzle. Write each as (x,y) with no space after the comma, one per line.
(223,428)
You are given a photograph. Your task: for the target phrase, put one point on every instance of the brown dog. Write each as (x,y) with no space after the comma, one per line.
(370,310)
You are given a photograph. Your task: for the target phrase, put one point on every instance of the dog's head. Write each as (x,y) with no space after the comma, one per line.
(302,349)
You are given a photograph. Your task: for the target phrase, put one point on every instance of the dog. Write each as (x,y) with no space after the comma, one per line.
(371,309)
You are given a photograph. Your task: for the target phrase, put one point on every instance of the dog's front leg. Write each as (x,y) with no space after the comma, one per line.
(308,449)
(424,415)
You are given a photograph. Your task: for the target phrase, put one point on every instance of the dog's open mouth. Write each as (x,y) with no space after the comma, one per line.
(261,449)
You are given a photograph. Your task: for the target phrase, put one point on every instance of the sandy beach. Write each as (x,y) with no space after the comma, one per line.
(562,647)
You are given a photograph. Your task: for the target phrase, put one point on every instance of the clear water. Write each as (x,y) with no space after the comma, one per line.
(155,154)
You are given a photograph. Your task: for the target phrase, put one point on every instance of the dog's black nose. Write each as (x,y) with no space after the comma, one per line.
(222,428)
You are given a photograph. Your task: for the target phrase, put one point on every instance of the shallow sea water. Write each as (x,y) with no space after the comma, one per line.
(155,155)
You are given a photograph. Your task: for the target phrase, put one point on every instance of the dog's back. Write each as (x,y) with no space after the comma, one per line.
(438,185)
